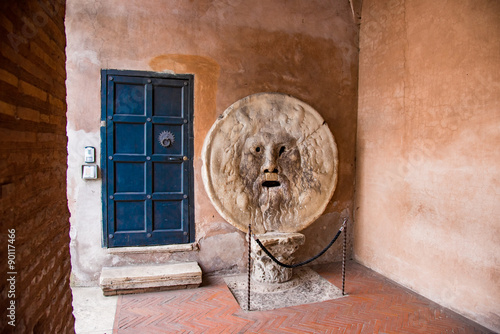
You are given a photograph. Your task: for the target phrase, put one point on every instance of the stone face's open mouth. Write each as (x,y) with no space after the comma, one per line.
(271,180)
(270,184)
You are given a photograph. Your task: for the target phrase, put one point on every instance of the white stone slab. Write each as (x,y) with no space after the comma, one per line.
(135,279)
(305,287)
(154,249)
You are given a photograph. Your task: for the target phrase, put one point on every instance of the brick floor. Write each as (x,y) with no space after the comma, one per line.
(374,305)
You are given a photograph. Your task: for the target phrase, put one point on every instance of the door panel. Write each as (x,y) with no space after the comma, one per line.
(129,216)
(164,183)
(130,177)
(129,99)
(148,186)
(167,215)
(129,138)
(169,101)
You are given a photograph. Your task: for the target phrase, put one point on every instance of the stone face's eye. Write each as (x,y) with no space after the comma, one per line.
(257,149)
(282,150)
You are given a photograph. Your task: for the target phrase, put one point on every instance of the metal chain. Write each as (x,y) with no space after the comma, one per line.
(343,257)
(249,264)
(271,256)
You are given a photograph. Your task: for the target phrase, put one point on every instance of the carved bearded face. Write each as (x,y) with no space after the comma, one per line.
(270,169)
(270,161)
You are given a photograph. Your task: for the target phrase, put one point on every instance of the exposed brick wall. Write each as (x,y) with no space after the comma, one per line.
(33,165)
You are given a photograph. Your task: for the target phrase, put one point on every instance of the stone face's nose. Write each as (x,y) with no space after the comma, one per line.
(269,165)
(270,169)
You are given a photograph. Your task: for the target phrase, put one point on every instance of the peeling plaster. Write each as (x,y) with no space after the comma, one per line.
(233,50)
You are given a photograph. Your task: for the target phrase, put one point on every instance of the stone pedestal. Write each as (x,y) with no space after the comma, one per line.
(282,246)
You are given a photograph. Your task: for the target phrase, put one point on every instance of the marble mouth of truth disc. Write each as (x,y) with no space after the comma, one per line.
(270,160)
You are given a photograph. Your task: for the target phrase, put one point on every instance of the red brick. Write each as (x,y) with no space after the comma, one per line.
(9,78)
(7,108)
(33,176)
(31,90)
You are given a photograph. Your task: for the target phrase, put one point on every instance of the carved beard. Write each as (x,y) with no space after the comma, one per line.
(273,205)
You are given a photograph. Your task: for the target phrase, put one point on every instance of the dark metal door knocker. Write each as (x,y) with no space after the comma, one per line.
(166,139)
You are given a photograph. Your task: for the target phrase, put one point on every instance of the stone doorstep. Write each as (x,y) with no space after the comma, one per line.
(138,279)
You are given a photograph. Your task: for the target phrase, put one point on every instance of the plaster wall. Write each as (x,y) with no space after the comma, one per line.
(235,48)
(428,171)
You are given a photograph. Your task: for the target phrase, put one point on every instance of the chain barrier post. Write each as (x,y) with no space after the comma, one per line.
(249,264)
(344,226)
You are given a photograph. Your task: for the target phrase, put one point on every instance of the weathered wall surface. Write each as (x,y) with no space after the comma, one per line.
(33,168)
(428,172)
(234,48)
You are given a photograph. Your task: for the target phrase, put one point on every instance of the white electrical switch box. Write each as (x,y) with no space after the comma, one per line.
(89,172)
(89,154)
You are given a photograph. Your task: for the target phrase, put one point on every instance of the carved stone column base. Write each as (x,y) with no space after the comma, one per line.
(281,246)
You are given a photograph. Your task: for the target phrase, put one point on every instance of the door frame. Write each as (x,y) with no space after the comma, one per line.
(104,161)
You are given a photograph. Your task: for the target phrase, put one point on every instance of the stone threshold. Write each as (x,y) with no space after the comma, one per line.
(155,249)
(146,278)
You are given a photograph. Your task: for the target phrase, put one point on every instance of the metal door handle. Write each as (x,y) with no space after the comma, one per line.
(178,158)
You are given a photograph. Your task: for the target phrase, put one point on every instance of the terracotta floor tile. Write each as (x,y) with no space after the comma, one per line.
(374,305)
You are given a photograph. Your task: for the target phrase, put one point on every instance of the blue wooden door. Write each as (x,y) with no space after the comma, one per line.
(147,154)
